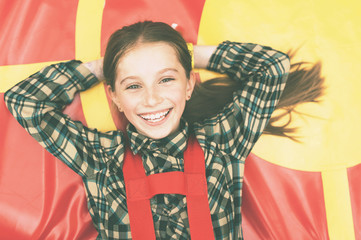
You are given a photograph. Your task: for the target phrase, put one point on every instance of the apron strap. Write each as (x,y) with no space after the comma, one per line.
(192,183)
(136,186)
(199,215)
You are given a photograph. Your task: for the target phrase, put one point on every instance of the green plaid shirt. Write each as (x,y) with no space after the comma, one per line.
(226,140)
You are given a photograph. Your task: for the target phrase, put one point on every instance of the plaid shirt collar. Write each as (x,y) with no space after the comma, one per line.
(173,145)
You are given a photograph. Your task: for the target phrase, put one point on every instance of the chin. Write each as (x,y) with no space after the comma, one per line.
(157,135)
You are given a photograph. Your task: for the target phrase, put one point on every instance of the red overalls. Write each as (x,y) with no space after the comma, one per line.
(191,183)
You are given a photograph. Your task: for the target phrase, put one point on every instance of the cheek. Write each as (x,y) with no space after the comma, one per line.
(123,102)
(127,103)
(179,99)
(178,92)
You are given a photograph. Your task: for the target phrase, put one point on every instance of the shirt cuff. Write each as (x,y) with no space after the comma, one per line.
(85,78)
(215,62)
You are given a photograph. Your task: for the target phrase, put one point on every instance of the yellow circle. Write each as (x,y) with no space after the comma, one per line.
(326,31)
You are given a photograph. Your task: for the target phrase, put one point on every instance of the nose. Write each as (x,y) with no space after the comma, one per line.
(152,97)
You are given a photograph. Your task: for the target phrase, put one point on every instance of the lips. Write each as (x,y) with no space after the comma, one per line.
(155,117)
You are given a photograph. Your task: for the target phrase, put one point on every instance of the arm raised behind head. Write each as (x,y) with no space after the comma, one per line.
(37,103)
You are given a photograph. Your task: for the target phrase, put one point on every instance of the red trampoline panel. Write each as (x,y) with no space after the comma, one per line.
(281,203)
(354,179)
(37,31)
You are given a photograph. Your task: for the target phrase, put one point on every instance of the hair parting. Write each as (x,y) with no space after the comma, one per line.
(126,38)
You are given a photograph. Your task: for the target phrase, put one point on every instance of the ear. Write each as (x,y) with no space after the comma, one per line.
(113,96)
(190,85)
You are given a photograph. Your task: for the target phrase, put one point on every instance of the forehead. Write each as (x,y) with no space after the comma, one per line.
(146,58)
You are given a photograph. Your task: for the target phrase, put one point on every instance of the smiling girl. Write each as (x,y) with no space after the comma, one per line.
(151,88)
(148,70)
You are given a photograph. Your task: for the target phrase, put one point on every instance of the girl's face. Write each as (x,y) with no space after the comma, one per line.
(151,89)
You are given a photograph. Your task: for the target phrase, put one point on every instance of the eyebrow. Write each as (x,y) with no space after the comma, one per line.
(159,72)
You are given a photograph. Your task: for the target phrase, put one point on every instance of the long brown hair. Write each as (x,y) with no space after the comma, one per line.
(305,83)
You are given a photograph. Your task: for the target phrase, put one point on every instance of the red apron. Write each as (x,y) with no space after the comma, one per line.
(191,183)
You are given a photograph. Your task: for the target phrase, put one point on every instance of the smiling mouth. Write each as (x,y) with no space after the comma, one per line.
(155,117)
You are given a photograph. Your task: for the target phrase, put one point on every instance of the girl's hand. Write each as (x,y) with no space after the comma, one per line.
(202,54)
(96,67)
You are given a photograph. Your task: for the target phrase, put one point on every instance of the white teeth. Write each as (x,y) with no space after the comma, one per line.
(155,117)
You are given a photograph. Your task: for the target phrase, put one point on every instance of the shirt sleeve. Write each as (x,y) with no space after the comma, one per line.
(37,104)
(262,73)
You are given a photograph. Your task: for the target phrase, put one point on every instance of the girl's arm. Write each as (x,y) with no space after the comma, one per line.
(261,73)
(37,104)
(202,54)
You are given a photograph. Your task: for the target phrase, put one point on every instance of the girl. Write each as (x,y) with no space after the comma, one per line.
(148,70)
